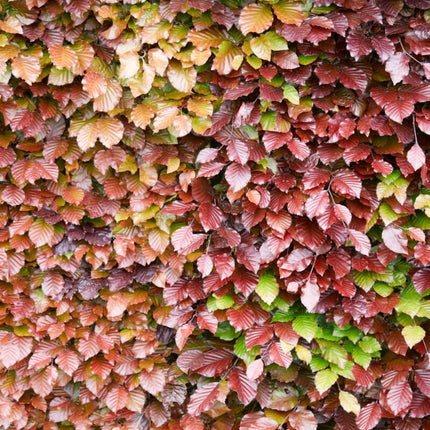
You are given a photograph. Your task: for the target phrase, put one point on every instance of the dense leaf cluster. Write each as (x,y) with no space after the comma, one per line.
(214,214)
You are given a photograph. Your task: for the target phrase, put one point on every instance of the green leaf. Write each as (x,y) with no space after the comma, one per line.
(336,354)
(291,94)
(305,326)
(267,287)
(324,379)
(346,372)
(365,279)
(226,331)
(304,60)
(248,356)
(282,316)
(382,289)
(360,357)
(387,214)
(369,344)
(214,303)
(413,335)
(277,42)
(318,363)
(254,61)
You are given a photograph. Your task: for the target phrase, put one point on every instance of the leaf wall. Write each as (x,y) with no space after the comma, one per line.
(214,214)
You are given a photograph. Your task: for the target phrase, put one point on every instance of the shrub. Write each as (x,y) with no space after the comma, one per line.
(214,214)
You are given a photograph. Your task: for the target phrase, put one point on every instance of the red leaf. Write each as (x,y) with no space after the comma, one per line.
(346,183)
(258,336)
(255,369)
(205,265)
(314,177)
(249,257)
(207,320)
(360,241)
(257,421)
(383,46)
(416,157)
(302,419)
(397,66)
(238,151)
(238,176)
(52,284)
(399,397)
(298,148)
(206,155)
(395,239)
(182,334)
(363,377)
(182,237)
(420,406)
(203,398)
(241,318)
(224,265)
(381,166)
(15,350)
(421,280)
(245,388)
(273,140)
(422,378)
(369,416)
(153,381)
(116,398)
(310,295)
(317,204)
(214,362)
(210,216)
(68,361)
(244,281)
(398,110)
(279,356)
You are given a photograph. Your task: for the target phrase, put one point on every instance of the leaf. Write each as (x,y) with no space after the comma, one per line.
(349,402)
(400,109)
(346,183)
(395,239)
(153,382)
(397,66)
(413,335)
(360,241)
(224,265)
(183,79)
(305,326)
(416,157)
(238,176)
(87,136)
(210,216)
(261,47)
(255,369)
(369,416)
(203,398)
(317,204)
(310,295)
(141,115)
(68,361)
(298,148)
(116,398)
(324,379)
(182,237)
(267,287)
(245,388)
(158,240)
(255,18)
(399,397)
(302,419)
(52,284)
(421,280)
(15,350)
(289,12)
(422,378)
(205,265)
(279,356)
(41,233)
(110,131)
(62,56)
(27,68)
(109,99)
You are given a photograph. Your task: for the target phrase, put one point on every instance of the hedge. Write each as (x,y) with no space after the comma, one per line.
(214,214)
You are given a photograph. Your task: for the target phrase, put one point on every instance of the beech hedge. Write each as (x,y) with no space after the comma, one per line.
(214,214)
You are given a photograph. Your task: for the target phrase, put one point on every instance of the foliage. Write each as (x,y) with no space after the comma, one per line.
(214,214)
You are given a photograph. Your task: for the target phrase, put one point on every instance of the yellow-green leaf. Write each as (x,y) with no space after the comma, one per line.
(349,402)
(261,47)
(267,287)
(324,379)
(413,335)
